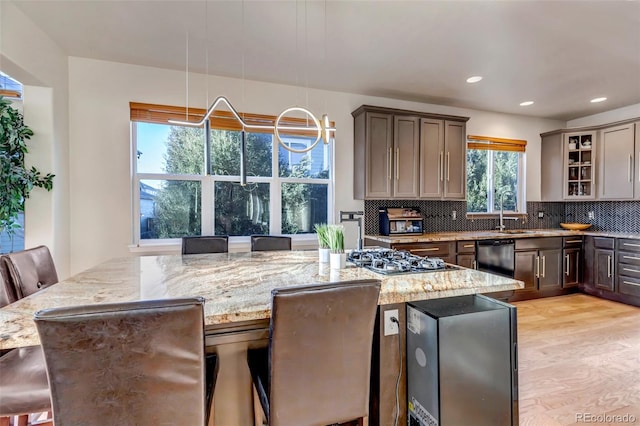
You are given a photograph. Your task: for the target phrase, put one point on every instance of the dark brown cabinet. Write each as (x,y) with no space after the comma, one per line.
(408,155)
(538,263)
(572,264)
(604,273)
(628,267)
(466,254)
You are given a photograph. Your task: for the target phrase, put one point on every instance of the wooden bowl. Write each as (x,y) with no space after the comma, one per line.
(575,226)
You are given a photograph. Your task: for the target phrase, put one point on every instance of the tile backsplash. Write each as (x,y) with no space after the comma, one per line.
(622,216)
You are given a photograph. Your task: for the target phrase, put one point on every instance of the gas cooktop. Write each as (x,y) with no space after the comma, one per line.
(387,261)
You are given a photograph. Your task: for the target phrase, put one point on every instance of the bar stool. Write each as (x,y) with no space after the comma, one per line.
(23,386)
(205,244)
(126,363)
(270,243)
(316,370)
(31,270)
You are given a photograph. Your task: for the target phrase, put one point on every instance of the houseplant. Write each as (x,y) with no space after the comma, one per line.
(16,180)
(322,231)
(338,258)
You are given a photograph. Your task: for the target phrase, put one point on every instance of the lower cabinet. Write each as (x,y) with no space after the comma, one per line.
(572,261)
(628,267)
(466,254)
(442,249)
(539,264)
(603,257)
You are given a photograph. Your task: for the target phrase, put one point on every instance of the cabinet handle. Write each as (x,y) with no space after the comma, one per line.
(631,257)
(468,246)
(630,283)
(608,266)
(537,266)
(544,266)
(629,171)
(397,163)
(631,245)
(441,166)
(447,166)
(630,270)
(474,265)
(389,162)
(427,249)
(577,241)
(567,258)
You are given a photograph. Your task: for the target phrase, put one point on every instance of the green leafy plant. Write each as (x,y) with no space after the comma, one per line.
(322,231)
(16,181)
(335,234)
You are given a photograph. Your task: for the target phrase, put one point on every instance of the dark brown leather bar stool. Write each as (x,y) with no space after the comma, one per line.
(316,370)
(23,377)
(270,243)
(126,363)
(205,244)
(31,270)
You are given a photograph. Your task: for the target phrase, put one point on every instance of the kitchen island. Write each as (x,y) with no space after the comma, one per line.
(237,291)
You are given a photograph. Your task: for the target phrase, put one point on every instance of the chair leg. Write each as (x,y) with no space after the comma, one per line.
(363,421)
(258,417)
(4,421)
(23,420)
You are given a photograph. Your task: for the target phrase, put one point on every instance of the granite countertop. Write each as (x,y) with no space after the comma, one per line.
(236,286)
(482,235)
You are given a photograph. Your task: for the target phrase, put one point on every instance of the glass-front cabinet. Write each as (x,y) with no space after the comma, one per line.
(579,170)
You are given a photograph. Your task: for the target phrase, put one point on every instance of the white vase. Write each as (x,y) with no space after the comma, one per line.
(338,260)
(323,255)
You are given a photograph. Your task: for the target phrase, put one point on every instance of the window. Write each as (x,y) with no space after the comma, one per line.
(286,193)
(495,167)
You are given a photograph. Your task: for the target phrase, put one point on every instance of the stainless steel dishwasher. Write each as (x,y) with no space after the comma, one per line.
(496,256)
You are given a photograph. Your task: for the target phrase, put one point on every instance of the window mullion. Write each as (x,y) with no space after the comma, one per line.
(490,183)
(275,194)
(207,210)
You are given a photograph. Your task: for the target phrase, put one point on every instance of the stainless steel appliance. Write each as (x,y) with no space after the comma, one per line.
(462,362)
(400,221)
(388,261)
(496,256)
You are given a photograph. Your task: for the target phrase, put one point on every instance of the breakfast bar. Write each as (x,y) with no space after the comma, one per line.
(237,291)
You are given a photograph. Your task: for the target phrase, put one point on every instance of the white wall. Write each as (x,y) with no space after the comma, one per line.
(631,111)
(99,96)
(31,57)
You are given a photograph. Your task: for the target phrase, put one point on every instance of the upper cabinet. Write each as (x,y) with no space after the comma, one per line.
(600,162)
(402,154)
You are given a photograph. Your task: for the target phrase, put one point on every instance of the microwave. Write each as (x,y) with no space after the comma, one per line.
(400,221)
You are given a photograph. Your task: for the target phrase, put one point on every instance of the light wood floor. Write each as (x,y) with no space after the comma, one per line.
(578,354)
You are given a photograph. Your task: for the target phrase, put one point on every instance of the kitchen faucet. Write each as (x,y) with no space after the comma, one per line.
(502,218)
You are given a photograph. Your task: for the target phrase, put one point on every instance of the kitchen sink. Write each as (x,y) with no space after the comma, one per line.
(516,231)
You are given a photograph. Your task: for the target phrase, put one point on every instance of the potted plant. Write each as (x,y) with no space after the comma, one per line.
(338,258)
(322,231)
(16,181)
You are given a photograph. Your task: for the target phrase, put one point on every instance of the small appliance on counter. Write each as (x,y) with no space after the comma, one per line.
(400,221)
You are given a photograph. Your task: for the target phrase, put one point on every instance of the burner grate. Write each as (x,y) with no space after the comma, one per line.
(389,261)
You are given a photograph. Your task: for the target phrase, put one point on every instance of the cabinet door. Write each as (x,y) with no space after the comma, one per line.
(550,268)
(406,156)
(431,158)
(589,269)
(527,269)
(552,167)
(615,159)
(571,267)
(604,274)
(636,183)
(579,171)
(455,159)
(466,260)
(378,157)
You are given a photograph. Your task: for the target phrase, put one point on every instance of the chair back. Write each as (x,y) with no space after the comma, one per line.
(7,290)
(126,363)
(270,243)
(205,244)
(320,352)
(31,270)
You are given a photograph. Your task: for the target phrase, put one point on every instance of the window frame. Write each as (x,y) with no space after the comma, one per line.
(208,181)
(521,206)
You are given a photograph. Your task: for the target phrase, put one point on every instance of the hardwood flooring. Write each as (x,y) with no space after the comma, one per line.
(578,356)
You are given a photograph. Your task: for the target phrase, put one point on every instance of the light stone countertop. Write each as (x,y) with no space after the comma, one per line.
(236,286)
(483,235)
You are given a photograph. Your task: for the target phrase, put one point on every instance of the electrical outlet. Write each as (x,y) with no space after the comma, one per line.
(390,327)
(454,214)
(591,215)
(540,215)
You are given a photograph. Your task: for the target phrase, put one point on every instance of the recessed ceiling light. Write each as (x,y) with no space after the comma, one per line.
(526,103)
(474,79)
(596,100)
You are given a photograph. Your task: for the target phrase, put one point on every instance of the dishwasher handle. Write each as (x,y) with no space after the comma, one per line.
(496,242)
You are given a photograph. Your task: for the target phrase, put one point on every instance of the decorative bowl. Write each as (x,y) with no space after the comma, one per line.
(575,226)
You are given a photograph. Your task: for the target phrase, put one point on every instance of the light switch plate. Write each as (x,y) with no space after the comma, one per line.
(390,327)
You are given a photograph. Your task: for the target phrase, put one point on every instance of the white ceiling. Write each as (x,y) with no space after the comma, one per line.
(559,54)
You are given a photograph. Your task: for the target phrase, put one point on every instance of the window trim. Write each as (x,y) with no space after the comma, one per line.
(207,183)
